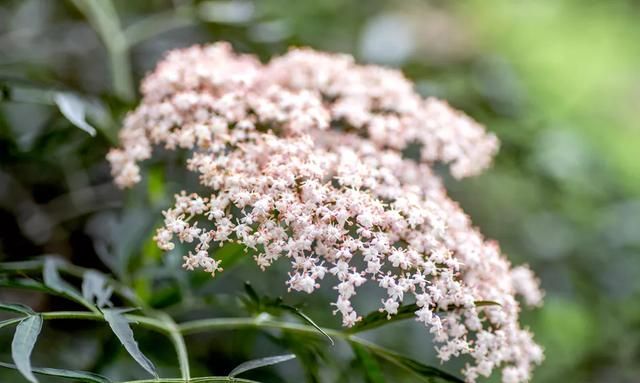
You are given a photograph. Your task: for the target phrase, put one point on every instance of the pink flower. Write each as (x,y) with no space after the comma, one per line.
(303,158)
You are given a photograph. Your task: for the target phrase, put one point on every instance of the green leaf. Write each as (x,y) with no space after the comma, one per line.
(426,373)
(120,327)
(53,280)
(96,289)
(26,267)
(203,379)
(306,318)
(230,254)
(251,292)
(310,351)
(78,376)
(30,284)
(22,345)
(370,366)
(9,322)
(24,283)
(12,267)
(274,305)
(74,109)
(379,318)
(17,308)
(262,362)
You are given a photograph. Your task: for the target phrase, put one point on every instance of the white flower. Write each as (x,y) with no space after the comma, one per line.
(281,181)
(390,306)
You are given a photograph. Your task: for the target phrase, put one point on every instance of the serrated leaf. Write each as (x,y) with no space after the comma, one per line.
(96,289)
(53,281)
(74,109)
(120,327)
(262,362)
(24,339)
(16,308)
(370,366)
(78,376)
(379,318)
(25,267)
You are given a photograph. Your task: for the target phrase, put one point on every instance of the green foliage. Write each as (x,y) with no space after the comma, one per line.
(259,304)
(95,288)
(16,307)
(120,326)
(24,339)
(379,318)
(73,108)
(425,373)
(262,362)
(370,367)
(53,281)
(555,80)
(77,376)
(97,285)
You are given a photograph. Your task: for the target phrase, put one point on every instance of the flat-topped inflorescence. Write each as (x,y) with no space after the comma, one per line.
(303,158)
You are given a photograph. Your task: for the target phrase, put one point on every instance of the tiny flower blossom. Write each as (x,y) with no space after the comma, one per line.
(304,158)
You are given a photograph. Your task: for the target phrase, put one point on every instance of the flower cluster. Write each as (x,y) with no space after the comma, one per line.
(305,158)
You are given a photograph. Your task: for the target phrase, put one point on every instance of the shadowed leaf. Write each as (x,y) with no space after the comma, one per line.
(230,254)
(53,281)
(306,318)
(25,283)
(251,292)
(78,376)
(425,373)
(95,288)
(22,345)
(120,326)
(9,322)
(74,109)
(37,266)
(16,308)
(262,362)
(379,318)
(370,366)
(275,306)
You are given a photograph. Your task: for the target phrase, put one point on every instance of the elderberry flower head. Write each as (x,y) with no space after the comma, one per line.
(303,158)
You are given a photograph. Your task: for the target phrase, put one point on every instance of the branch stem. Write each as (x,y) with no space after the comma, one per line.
(165,325)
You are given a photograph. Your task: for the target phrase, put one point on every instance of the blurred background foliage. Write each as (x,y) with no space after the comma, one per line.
(557,80)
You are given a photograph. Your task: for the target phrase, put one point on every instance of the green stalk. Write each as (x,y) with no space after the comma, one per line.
(150,323)
(178,343)
(103,17)
(158,23)
(207,379)
(76,271)
(176,332)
